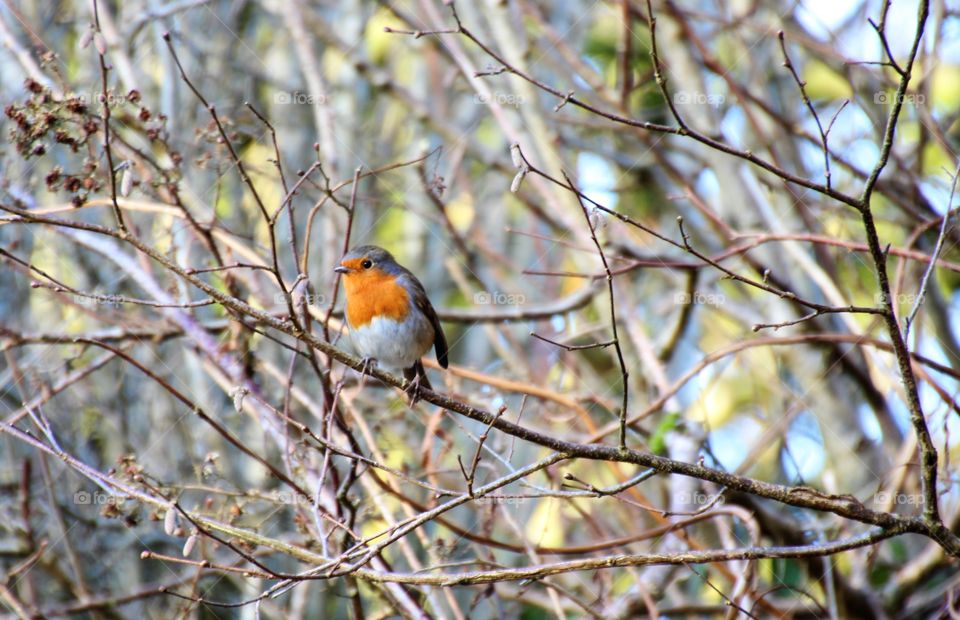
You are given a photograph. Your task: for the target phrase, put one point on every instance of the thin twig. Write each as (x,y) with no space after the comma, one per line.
(105,105)
(824,133)
(928,452)
(925,281)
(624,373)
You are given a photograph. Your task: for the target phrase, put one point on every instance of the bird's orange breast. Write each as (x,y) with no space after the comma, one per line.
(374,293)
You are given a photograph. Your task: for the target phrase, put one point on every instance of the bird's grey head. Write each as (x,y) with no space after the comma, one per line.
(365,257)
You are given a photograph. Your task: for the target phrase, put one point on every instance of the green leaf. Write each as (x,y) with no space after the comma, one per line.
(658,444)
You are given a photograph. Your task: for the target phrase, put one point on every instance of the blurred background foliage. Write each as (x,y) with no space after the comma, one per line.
(818,403)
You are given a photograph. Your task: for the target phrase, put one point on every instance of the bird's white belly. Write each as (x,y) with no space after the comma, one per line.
(394,344)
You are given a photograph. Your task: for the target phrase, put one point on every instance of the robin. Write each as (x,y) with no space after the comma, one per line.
(391,320)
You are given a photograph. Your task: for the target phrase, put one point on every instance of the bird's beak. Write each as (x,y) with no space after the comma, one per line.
(341,269)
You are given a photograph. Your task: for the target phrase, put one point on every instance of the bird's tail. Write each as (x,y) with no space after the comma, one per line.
(417,370)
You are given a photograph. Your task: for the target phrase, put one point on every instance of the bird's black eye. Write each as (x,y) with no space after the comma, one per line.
(367,264)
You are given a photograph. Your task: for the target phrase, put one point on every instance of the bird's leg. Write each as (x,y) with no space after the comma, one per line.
(367,363)
(418,382)
(414,390)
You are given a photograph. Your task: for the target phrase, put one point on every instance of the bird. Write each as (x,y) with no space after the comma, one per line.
(391,320)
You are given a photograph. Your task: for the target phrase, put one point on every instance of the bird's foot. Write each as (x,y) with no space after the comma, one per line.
(415,390)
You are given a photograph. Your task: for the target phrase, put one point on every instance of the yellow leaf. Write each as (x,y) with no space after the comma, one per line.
(461,212)
(334,63)
(545,525)
(380,43)
(264,178)
(935,159)
(715,406)
(944,93)
(825,83)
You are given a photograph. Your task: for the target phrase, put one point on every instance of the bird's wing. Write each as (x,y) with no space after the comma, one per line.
(423,303)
